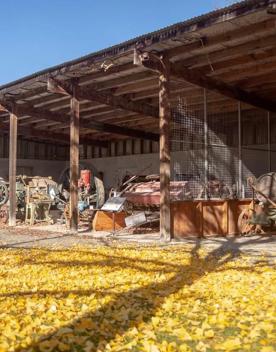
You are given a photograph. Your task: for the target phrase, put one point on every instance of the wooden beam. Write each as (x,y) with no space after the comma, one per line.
(239,34)
(12,169)
(27,109)
(161,64)
(250,47)
(91,94)
(165,167)
(52,136)
(74,160)
(196,77)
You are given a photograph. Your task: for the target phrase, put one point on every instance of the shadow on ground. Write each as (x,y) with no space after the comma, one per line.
(142,303)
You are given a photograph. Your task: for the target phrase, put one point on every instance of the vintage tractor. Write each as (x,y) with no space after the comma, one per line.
(260,215)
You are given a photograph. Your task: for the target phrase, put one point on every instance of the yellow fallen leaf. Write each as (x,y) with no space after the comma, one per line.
(209,333)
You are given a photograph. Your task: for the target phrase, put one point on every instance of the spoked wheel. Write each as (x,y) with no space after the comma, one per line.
(100,192)
(244,225)
(4,214)
(4,193)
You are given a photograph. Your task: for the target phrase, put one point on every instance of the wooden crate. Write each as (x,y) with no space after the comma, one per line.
(103,221)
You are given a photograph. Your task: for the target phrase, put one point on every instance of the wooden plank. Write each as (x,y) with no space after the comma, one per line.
(103,221)
(39,113)
(106,98)
(233,92)
(240,34)
(12,169)
(74,161)
(252,47)
(165,161)
(207,218)
(186,219)
(235,207)
(52,136)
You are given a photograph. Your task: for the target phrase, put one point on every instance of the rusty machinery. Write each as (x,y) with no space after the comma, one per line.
(143,191)
(33,198)
(37,195)
(260,215)
(91,193)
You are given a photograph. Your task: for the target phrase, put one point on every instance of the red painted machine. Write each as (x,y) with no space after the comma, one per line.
(144,191)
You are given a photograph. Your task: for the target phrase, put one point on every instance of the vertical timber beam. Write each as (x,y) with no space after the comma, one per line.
(12,168)
(269,141)
(74,160)
(240,190)
(161,64)
(165,159)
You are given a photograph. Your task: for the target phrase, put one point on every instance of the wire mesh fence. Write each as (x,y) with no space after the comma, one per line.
(215,149)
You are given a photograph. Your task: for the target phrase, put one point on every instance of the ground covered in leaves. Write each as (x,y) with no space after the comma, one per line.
(136,299)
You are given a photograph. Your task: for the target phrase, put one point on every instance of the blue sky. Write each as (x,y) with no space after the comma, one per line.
(36,34)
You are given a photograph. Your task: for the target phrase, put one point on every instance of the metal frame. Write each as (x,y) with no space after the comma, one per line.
(206,127)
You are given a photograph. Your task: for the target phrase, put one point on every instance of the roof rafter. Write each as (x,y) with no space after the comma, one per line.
(57,137)
(26,109)
(196,77)
(91,94)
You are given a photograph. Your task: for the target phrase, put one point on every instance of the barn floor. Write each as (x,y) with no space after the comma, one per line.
(58,236)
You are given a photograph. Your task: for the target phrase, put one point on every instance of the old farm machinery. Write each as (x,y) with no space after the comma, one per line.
(260,215)
(91,194)
(4,197)
(36,196)
(143,191)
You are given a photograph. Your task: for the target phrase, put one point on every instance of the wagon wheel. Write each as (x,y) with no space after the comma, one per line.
(4,193)
(100,192)
(243,222)
(4,215)
(98,198)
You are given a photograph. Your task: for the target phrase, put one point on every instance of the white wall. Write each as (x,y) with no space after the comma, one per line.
(39,167)
(115,168)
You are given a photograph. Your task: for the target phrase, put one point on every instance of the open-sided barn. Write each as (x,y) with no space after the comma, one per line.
(195,101)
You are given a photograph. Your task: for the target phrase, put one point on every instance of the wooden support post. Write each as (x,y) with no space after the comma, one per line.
(165,166)
(161,64)
(74,161)
(12,168)
(269,141)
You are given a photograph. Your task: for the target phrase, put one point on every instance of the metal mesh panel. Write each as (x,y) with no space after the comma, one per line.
(217,144)
(187,143)
(223,156)
(254,145)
